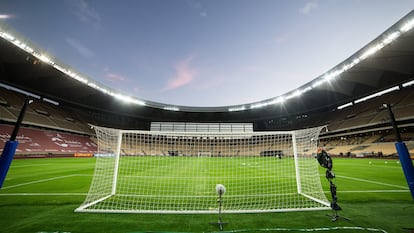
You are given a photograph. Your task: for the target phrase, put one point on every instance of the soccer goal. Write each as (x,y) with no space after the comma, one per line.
(177,172)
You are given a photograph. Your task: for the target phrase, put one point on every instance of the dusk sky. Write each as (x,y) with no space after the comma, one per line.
(202,52)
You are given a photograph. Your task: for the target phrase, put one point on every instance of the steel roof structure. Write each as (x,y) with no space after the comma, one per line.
(386,62)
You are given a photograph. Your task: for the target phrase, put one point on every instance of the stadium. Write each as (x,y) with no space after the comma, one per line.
(80,141)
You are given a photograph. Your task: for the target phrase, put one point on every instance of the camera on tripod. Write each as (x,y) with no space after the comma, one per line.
(326,161)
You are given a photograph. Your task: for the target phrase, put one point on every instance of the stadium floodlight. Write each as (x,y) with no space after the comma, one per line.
(408,83)
(273,101)
(43,58)
(308,88)
(331,75)
(29,49)
(19,44)
(127,99)
(173,172)
(50,101)
(318,82)
(7,36)
(171,108)
(344,106)
(371,51)
(23,46)
(280,99)
(238,108)
(104,90)
(380,93)
(258,105)
(23,92)
(391,37)
(93,85)
(293,94)
(297,93)
(407,26)
(80,79)
(60,68)
(138,102)
(355,61)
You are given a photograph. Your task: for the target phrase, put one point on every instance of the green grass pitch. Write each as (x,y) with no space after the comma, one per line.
(172,183)
(40,195)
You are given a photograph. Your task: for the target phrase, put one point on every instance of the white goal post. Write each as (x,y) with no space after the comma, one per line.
(177,172)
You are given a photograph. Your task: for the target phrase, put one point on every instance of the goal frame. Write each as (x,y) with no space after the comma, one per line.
(85,207)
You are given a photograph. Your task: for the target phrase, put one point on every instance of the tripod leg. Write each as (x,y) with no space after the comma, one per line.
(220,222)
(334,216)
(334,205)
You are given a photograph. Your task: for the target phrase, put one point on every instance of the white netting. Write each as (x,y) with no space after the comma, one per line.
(173,172)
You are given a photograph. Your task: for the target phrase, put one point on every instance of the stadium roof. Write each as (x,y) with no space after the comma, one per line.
(386,62)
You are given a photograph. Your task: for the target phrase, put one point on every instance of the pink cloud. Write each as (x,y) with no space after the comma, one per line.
(184,74)
(115,77)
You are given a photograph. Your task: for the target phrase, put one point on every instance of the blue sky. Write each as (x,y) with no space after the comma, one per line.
(202,52)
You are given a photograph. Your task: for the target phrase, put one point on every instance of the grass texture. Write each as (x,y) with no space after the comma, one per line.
(40,195)
(183,184)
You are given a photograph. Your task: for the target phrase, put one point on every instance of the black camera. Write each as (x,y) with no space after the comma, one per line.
(324,159)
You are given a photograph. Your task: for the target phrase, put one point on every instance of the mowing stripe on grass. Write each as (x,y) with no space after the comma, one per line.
(43,180)
(302,229)
(43,194)
(373,182)
(32,165)
(205,196)
(209,177)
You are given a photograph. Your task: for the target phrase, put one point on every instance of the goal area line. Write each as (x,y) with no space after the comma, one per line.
(81,210)
(84,194)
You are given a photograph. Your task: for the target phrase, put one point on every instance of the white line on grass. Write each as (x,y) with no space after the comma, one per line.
(373,182)
(374,191)
(40,181)
(84,194)
(43,194)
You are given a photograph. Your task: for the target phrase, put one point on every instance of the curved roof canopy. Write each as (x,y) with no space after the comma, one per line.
(386,62)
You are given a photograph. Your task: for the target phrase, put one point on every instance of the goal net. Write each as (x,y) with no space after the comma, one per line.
(177,172)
